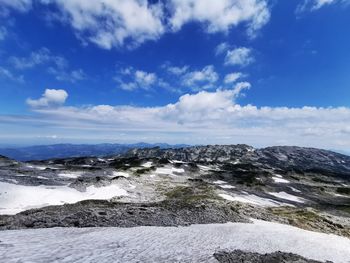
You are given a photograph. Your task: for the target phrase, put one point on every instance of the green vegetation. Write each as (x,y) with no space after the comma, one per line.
(190,194)
(309,220)
(144,170)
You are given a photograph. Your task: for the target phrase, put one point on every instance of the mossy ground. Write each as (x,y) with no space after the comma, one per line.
(309,220)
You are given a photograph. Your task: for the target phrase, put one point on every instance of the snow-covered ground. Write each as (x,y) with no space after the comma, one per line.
(280,180)
(286,196)
(250,199)
(195,243)
(16,198)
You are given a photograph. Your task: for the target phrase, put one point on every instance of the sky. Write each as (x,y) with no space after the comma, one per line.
(259,72)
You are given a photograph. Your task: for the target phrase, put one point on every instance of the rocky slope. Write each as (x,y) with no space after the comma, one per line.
(303,187)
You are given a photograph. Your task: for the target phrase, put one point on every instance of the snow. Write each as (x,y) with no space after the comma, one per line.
(295,190)
(251,199)
(147,164)
(195,243)
(70,174)
(169,170)
(280,180)
(176,161)
(286,196)
(220,182)
(37,167)
(124,174)
(227,186)
(203,167)
(16,198)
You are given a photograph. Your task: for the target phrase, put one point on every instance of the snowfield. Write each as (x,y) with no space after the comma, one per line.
(195,243)
(17,198)
(251,199)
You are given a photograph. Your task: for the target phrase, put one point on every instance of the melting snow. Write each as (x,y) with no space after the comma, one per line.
(169,170)
(219,182)
(295,190)
(286,196)
(70,174)
(250,199)
(280,180)
(226,186)
(17,198)
(124,174)
(147,164)
(195,243)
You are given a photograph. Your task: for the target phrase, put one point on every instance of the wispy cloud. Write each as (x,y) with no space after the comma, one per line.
(313,5)
(7,74)
(57,66)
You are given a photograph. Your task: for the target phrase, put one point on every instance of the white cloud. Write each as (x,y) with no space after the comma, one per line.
(241,56)
(110,23)
(58,65)
(233,77)
(239,87)
(5,73)
(36,58)
(221,48)
(220,15)
(19,5)
(51,97)
(204,117)
(132,79)
(313,5)
(204,78)
(177,70)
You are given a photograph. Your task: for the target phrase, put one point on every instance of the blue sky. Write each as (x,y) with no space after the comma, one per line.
(180,71)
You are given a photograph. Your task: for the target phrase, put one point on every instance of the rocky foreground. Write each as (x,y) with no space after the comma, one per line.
(301,187)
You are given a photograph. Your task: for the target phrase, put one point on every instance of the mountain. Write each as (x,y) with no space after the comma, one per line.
(283,198)
(43,152)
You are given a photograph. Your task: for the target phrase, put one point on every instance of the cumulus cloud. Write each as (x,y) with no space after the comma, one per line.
(176,70)
(203,117)
(132,79)
(110,23)
(58,66)
(233,77)
(50,98)
(220,15)
(241,56)
(221,48)
(203,78)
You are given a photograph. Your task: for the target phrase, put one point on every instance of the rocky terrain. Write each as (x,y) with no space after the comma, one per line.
(303,187)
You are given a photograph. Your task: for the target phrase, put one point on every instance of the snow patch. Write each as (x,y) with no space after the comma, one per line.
(123,174)
(219,182)
(227,186)
(286,196)
(147,164)
(195,243)
(280,180)
(72,175)
(251,199)
(17,198)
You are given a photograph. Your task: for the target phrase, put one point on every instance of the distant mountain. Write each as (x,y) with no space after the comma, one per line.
(44,152)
